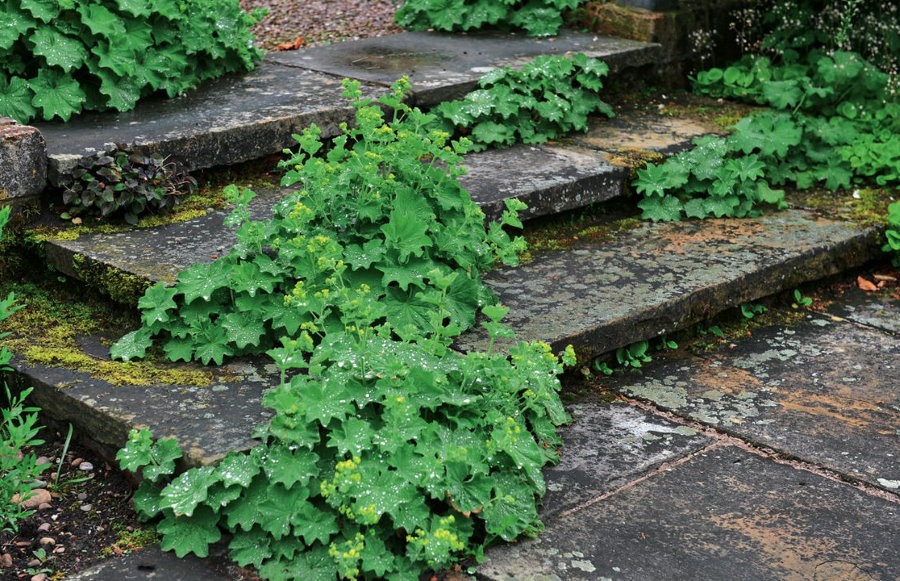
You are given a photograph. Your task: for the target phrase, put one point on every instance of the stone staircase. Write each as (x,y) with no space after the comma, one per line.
(629,282)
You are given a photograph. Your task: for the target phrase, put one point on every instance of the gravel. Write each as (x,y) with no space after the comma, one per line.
(314,22)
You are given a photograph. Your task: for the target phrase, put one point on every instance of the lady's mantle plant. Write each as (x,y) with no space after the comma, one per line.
(388,453)
(549,97)
(379,215)
(59,57)
(536,17)
(831,120)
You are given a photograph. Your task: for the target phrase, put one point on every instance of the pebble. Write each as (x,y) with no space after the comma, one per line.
(41,460)
(39,576)
(33,563)
(38,497)
(47,541)
(77,461)
(59,550)
(45,506)
(86,466)
(86,507)
(44,527)
(82,496)
(6,561)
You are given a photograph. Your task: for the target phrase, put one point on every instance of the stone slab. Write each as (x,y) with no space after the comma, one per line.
(444,66)
(608,445)
(147,564)
(822,391)
(638,131)
(208,421)
(23,161)
(226,121)
(658,278)
(549,179)
(725,514)
(876,309)
(157,254)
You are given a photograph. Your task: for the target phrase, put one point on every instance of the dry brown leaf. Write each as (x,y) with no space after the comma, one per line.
(293,45)
(865,285)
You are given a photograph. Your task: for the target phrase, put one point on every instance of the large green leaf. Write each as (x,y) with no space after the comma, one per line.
(101,20)
(15,99)
(186,492)
(58,49)
(45,10)
(14,24)
(191,534)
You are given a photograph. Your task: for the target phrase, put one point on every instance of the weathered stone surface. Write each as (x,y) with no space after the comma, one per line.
(226,121)
(150,563)
(635,132)
(157,254)
(722,515)
(548,178)
(661,277)
(446,66)
(23,160)
(208,421)
(878,309)
(608,445)
(823,391)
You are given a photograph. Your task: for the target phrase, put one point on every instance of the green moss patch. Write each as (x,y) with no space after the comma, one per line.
(46,331)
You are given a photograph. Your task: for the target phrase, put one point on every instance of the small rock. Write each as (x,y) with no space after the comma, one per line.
(77,462)
(33,563)
(59,550)
(45,506)
(82,496)
(47,541)
(86,507)
(44,527)
(6,561)
(39,577)
(41,460)
(23,543)
(86,466)
(38,497)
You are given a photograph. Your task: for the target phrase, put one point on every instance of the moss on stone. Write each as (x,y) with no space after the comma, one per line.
(119,286)
(865,206)
(47,330)
(595,224)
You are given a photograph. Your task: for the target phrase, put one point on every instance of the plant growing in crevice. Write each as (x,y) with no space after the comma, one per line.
(549,97)
(121,183)
(831,121)
(379,220)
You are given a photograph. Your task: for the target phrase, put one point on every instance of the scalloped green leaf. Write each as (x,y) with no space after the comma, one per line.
(59,50)
(191,534)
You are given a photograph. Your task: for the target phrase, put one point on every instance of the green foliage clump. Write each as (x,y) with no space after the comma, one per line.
(388,453)
(380,222)
(58,58)
(893,232)
(18,431)
(548,97)
(535,17)
(831,120)
(385,459)
(122,183)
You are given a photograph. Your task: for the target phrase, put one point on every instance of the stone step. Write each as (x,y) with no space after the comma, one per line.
(549,178)
(653,279)
(244,117)
(445,66)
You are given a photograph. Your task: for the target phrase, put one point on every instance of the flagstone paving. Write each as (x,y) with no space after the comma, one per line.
(724,514)
(823,391)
